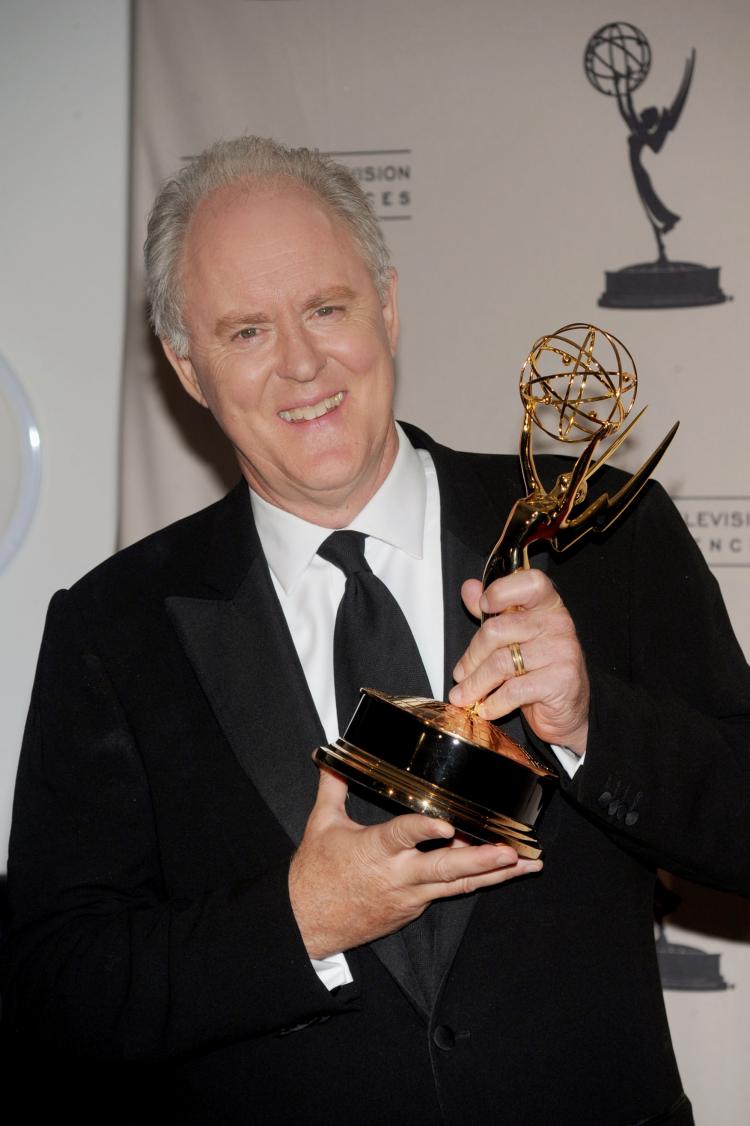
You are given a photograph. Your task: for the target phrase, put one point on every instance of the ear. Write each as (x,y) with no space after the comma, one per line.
(390,311)
(183,365)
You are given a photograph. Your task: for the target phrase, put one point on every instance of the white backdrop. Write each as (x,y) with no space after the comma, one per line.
(64,88)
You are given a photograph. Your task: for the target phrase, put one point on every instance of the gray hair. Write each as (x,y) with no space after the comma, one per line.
(246,159)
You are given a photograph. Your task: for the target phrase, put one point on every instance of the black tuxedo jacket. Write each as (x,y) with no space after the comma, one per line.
(166,778)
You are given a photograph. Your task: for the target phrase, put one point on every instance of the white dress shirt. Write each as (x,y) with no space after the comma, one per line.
(402,523)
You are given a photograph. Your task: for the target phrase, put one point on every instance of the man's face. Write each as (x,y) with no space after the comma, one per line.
(291,348)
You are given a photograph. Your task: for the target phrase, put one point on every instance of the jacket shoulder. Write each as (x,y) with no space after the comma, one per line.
(165,561)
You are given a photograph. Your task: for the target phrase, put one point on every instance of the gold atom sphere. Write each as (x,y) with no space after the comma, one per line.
(577,382)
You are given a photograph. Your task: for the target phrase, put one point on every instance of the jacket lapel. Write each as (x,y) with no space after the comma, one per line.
(244,658)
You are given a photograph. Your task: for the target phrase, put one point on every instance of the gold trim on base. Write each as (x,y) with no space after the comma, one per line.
(420,796)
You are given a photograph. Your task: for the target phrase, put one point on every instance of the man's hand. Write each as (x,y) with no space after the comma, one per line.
(350,883)
(553,691)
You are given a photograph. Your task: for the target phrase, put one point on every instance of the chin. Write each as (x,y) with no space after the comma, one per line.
(329,478)
(335,479)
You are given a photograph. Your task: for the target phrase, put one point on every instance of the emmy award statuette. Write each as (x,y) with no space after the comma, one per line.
(617,60)
(577,385)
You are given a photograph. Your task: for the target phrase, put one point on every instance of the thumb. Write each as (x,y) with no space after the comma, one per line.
(332,791)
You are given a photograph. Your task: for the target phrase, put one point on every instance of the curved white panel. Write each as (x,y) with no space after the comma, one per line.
(20,464)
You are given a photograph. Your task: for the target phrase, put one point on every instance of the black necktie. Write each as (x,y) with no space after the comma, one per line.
(373,646)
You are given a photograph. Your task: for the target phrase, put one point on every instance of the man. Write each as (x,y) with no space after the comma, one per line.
(189,896)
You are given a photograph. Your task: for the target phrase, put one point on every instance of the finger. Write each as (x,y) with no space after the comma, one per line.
(491,641)
(514,693)
(471,592)
(498,668)
(462,869)
(448,865)
(527,588)
(467,884)
(553,714)
(405,832)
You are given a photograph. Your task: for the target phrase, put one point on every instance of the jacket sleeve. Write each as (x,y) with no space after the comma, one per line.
(102,960)
(667,768)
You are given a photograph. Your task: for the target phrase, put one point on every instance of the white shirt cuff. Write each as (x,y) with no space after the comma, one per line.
(569,760)
(332,971)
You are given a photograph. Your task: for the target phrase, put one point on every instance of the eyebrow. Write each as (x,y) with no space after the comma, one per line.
(238,319)
(326,296)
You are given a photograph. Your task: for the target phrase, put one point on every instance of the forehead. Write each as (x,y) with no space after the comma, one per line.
(270,234)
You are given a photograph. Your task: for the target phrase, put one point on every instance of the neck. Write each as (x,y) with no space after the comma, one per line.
(330,508)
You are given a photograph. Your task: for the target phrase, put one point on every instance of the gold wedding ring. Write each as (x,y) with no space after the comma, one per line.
(519,668)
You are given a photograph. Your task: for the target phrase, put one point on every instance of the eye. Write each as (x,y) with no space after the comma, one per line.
(327,310)
(247,333)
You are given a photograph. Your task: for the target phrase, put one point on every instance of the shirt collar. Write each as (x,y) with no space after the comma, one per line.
(395,515)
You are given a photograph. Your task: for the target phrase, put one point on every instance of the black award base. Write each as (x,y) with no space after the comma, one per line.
(433,758)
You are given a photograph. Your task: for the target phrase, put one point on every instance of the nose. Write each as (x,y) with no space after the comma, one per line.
(299,356)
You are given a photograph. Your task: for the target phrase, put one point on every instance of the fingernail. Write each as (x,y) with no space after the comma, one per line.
(484,604)
(458,672)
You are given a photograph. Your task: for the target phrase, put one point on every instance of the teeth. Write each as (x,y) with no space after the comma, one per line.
(317,410)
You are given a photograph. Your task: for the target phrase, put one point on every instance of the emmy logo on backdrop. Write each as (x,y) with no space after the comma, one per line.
(617,61)
(680,966)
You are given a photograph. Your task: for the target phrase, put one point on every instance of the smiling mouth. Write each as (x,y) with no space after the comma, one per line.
(316,410)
